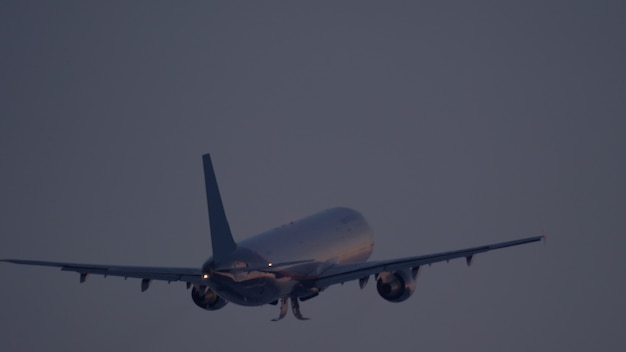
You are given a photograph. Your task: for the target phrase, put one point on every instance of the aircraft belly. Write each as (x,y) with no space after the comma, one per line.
(254,292)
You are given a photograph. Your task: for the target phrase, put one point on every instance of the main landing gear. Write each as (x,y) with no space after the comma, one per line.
(295,308)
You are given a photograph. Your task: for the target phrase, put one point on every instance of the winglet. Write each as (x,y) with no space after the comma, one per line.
(221,237)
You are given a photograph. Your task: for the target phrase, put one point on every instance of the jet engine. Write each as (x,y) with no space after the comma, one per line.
(206,298)
(396,286)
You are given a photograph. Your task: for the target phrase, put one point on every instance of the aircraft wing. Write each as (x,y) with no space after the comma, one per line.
(190,275)
(347,272)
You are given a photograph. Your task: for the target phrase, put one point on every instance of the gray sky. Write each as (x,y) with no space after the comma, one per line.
(447,124)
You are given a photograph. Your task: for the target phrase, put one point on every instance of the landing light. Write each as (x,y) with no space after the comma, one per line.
(205,276)
(269,264)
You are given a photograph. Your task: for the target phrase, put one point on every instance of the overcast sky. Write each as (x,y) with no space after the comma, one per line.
(446,124)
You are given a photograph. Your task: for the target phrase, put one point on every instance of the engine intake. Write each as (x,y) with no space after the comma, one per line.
(395,286)
(206,298)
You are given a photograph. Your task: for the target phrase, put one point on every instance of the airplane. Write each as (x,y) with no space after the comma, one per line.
(290,263)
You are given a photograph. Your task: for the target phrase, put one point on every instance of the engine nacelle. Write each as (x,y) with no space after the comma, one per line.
(396,286)
(206,298)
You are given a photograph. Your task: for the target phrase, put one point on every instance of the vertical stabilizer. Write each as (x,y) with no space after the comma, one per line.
(221,238)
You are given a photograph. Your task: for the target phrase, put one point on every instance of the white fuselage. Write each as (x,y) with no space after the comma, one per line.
(333,236)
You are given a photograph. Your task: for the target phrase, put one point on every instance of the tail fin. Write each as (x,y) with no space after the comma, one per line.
(221,237)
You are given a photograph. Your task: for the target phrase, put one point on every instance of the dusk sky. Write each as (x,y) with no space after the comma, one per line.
(446,124)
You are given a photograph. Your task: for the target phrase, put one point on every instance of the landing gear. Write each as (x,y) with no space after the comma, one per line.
(295,308)
(283,308)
